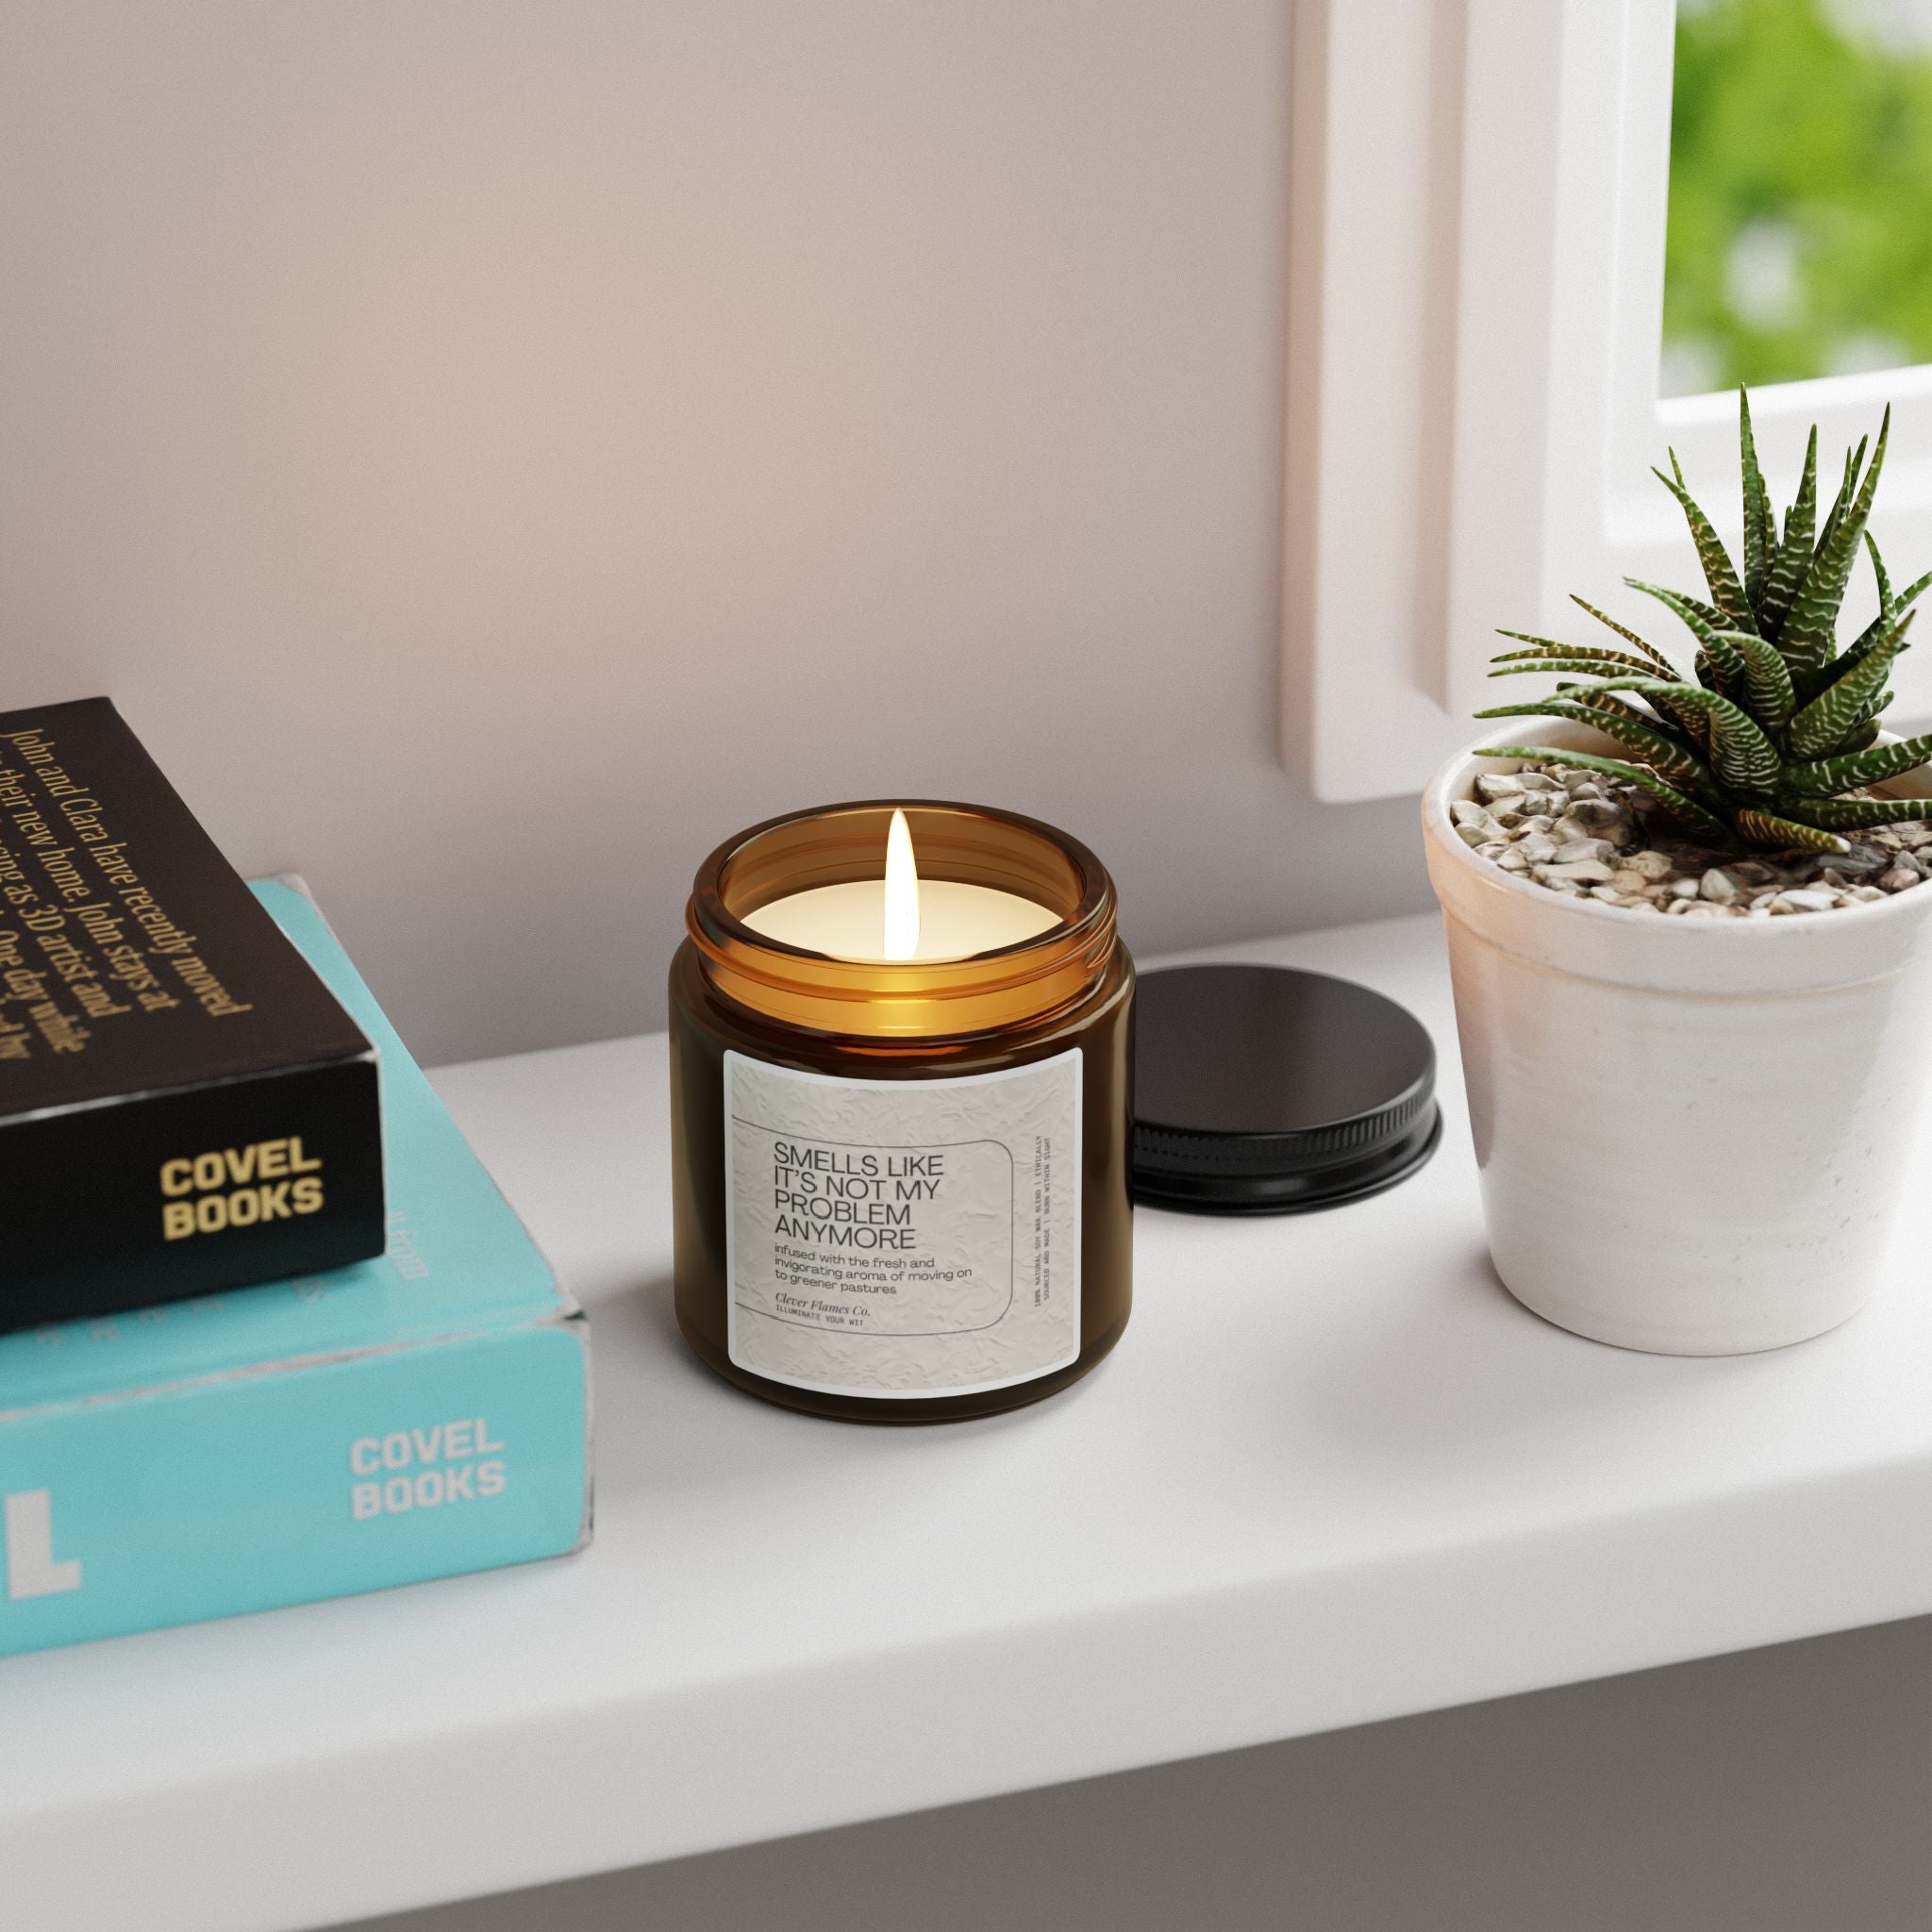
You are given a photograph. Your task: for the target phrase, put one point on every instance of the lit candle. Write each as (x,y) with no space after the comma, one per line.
(901,916)
(900,1113)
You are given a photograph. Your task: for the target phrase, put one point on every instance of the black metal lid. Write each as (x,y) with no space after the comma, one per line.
(1263,1090)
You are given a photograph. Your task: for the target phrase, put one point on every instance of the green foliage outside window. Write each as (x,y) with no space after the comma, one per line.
(1801,190)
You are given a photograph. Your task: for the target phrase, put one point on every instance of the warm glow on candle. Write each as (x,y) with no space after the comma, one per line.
(902,892)
(901,917)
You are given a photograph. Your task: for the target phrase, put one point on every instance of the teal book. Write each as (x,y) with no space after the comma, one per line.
(417,1415)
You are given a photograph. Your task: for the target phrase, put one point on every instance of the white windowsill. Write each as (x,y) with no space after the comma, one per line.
(1333,1474)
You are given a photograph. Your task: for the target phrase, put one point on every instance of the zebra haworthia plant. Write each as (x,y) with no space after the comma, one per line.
(1779,724)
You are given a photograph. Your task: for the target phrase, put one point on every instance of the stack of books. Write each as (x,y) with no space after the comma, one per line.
(169,1453)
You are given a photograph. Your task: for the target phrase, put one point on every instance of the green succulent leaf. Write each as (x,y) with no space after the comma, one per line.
(1768,829)
(1742,758)
(1562,667)
(1816,730)
(1692,724)
(1858,814)
(1879,571)
(1826,777)
(1550,647)
(1714,640)
(1875,636)
(1665,754)
(1710,677)
(1726,593)
(1853,460)
(1889,604)
(1805,639)
(1835,515)
(1862,735)
(1761,531)
(1652,654)
(1892,605)
(1767,680)
(1596,700)
(1910,594)
(1590,695)
(1688,814)
(1793,557)
(1709,612)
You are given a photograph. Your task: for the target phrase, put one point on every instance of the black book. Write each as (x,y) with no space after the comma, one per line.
(184,1106)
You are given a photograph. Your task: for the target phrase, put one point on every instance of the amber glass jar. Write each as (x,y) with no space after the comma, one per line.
(901,1188)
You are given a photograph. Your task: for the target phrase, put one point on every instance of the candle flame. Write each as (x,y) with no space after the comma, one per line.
(902,892)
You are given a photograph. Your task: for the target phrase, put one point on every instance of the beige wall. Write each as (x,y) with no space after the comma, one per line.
(493,451)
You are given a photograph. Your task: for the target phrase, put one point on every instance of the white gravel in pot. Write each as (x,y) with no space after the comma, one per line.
(1585,833)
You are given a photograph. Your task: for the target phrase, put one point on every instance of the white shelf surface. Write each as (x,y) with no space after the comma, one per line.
(1333,1474)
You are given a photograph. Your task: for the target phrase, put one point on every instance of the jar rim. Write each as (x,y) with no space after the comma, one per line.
(921,999)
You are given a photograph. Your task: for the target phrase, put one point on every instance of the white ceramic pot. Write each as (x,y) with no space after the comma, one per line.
(1692,1134)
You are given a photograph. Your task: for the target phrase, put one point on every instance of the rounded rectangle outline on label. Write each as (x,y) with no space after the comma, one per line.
(1072,1056)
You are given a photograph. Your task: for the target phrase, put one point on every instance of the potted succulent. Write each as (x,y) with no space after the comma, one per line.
(1692,966)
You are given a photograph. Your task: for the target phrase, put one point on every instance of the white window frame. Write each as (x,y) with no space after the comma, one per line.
(1475,300)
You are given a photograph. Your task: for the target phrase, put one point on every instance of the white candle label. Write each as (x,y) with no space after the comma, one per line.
(903,1237)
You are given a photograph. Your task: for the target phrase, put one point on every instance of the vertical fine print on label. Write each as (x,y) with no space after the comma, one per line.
(913,1238)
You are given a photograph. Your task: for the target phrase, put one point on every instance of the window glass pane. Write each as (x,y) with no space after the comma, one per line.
(1801,191)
